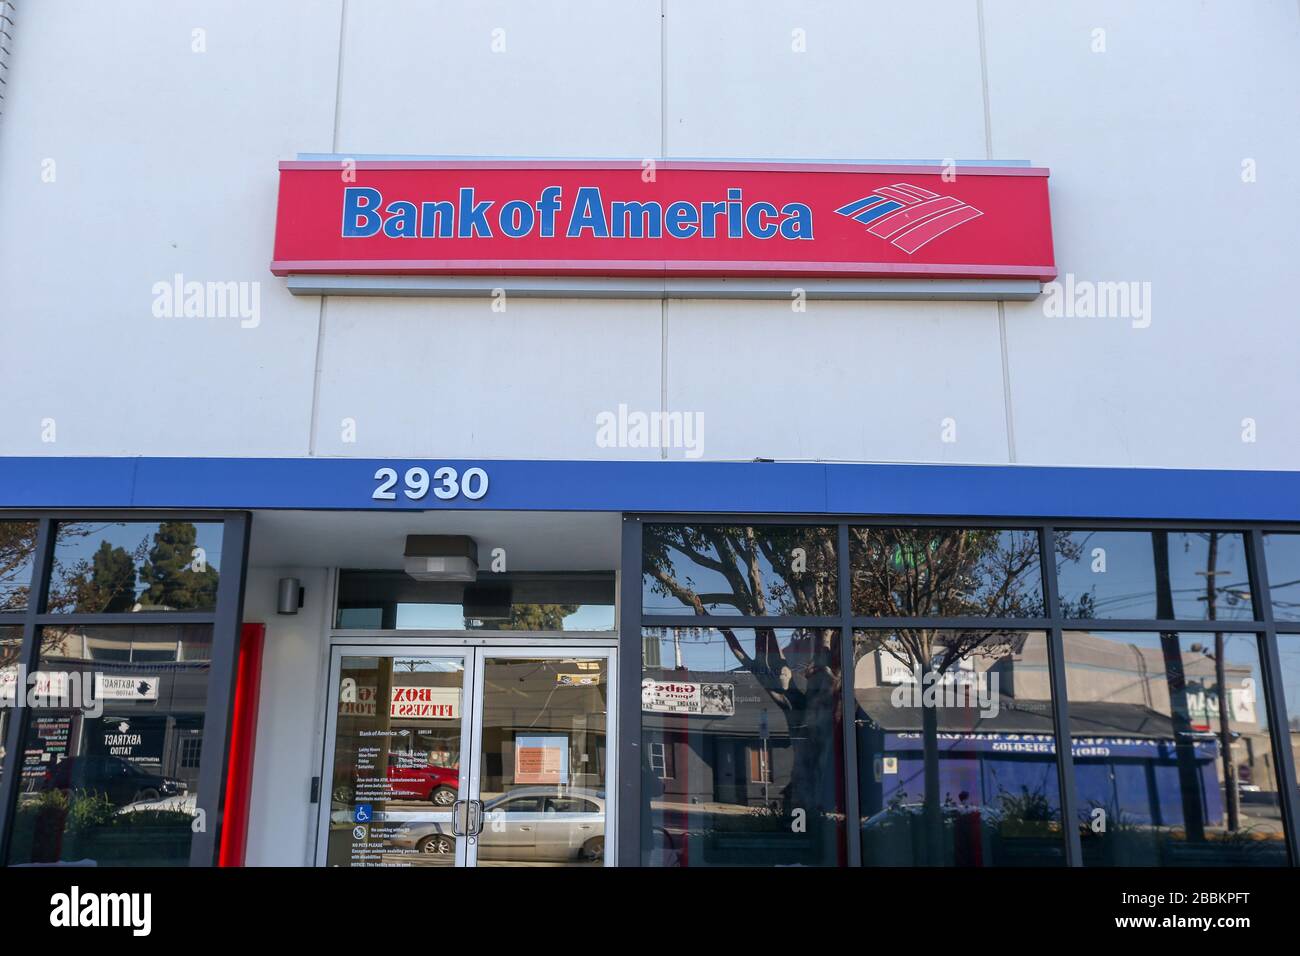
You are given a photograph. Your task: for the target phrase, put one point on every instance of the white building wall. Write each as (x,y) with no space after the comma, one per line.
(290,716)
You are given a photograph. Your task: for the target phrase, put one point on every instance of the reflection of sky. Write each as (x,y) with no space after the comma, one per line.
(425,665)
(1288,647)
(74,545)
(705,649)
(1127,587)
(1282,555)
(704,580)
(451,617)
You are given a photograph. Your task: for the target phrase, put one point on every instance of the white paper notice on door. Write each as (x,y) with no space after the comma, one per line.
(542,759)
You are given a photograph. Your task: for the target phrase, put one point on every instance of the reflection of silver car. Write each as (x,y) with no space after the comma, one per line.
(526,824)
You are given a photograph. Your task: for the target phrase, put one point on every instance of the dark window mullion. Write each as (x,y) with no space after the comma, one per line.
(28,662)
(630,650)
(1271,666)
(221,688)
(127,617)
(849,710)
(954,623)
(741,622)
(1060,704)
(1161,625)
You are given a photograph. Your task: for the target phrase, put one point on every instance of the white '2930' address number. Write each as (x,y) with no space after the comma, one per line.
(445,483)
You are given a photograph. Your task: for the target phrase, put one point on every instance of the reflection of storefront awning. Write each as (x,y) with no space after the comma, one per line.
(1099,730)
(1142,748)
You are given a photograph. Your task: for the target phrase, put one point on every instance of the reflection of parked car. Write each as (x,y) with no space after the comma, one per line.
(121,781)
(408,782)
(526,824)
(435,784)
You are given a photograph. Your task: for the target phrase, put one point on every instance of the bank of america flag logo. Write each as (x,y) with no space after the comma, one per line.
(909,216)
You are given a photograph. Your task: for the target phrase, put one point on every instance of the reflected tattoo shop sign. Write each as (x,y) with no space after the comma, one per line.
(662,218)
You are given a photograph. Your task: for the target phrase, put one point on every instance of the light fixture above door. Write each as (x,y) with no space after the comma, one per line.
(441,557)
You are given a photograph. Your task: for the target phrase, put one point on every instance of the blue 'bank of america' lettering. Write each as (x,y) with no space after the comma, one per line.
(365,214)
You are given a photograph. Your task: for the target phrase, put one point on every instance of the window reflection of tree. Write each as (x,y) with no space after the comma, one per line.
(944,573)
(160,572)
(770,571)
(17,545)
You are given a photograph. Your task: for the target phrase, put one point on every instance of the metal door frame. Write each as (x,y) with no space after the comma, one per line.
(472,654)
(543,651)
(468,658)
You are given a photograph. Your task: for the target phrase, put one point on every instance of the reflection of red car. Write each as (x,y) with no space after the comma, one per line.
(435,784)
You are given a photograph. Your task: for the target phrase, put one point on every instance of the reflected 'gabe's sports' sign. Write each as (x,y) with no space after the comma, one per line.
(663,218)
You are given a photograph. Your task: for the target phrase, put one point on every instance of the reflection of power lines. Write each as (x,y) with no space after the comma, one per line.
(699,643)
(1238,592)
(1279,602)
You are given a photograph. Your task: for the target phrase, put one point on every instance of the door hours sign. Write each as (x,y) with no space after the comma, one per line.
(662,218)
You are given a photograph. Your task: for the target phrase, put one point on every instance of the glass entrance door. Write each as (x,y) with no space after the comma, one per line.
(483,756)
(397,780)
(540,779)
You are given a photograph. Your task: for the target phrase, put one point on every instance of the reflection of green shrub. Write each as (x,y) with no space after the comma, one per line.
(1026,807)
(89,810)
(55,825)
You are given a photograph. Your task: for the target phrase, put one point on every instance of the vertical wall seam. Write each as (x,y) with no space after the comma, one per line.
(663,153)
(314,424)
(1009,416)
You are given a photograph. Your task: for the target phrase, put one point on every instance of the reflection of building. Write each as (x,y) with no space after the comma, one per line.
(1124,742)
(743,759)
(151,685)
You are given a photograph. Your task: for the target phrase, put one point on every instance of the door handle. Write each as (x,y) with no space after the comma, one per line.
(476,816)
(456,818)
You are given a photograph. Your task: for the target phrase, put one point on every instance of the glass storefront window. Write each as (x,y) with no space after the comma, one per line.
(739,570)
(11,642)
(1288,650)
(17,548)
(511,602)
(110,761)
(1282,555)
(742,747)
(945,572)
(109,566)
(956,749)
(1174,764)
(1149,575)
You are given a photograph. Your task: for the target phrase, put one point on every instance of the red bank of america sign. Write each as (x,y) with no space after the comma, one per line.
(674,218)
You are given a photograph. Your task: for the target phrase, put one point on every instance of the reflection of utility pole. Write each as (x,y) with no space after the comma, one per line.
(1231,795)
(1189,781)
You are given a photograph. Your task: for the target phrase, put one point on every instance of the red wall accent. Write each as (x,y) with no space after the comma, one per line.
(243,735)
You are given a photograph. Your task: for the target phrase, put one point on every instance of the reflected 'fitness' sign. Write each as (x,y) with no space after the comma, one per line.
(662,218)
(426,703)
